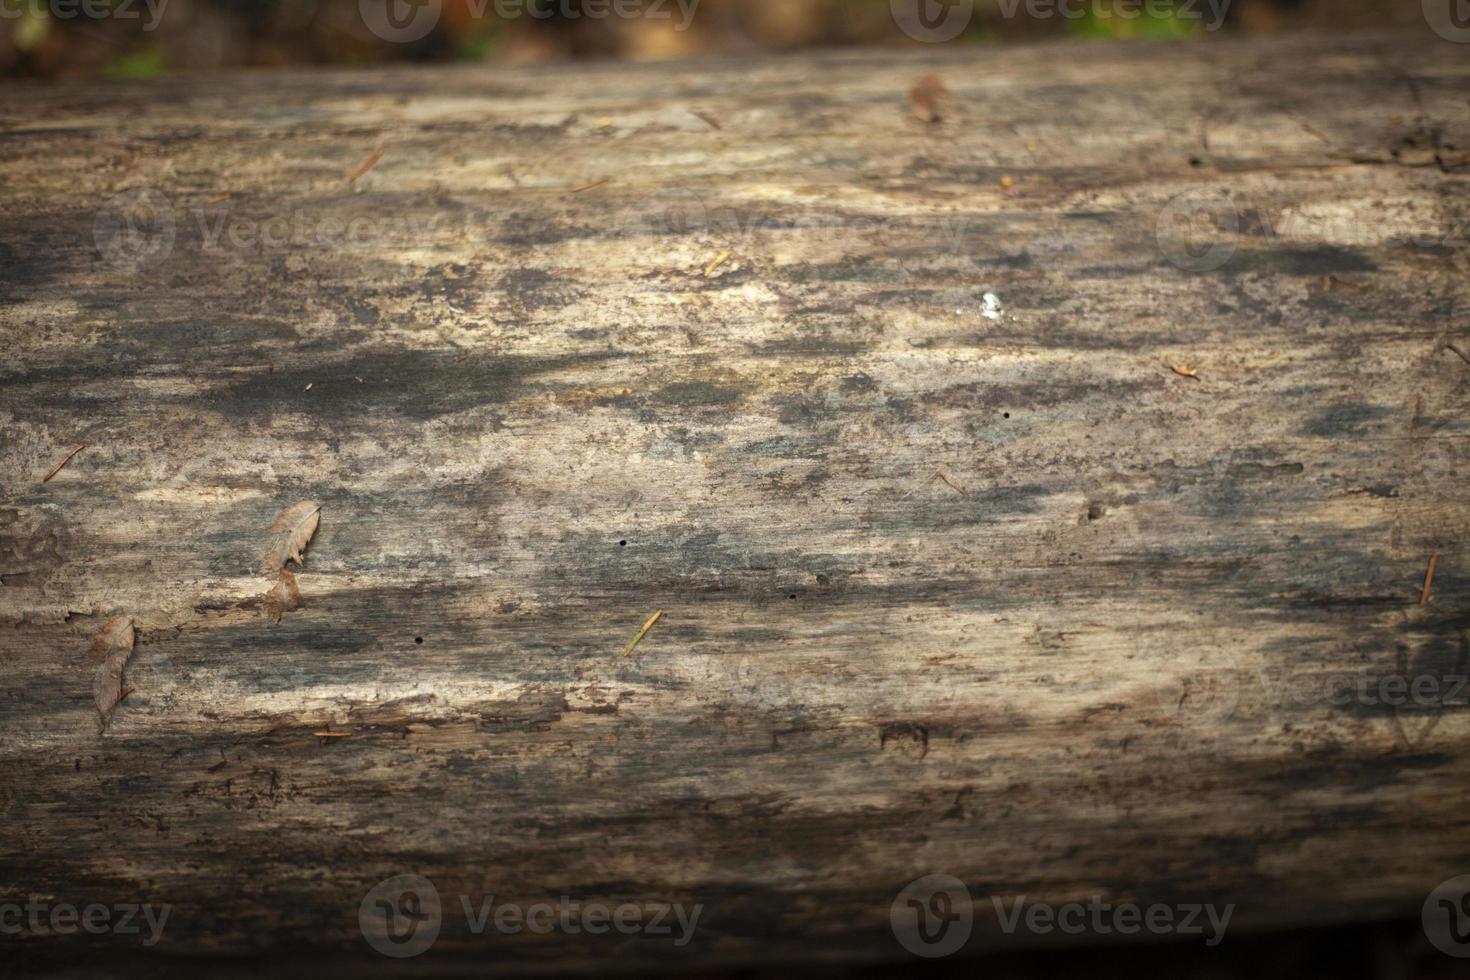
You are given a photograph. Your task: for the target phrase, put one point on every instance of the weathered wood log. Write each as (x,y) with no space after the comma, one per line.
(1041,496)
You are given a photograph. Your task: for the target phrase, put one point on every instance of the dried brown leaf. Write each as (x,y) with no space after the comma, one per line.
(293,529)
(283,597)
(114,644)
(925,97)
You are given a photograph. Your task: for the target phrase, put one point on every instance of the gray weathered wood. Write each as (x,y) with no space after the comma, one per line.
(1093,658)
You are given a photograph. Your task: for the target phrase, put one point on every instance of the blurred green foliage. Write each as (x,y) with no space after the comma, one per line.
(1098,24)
(142,63)
(48,37)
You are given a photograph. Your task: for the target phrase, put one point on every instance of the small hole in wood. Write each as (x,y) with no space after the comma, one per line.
(1005,415)
(622,544)
(418,639)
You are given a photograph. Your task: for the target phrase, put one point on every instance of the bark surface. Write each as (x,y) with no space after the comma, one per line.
(958,573)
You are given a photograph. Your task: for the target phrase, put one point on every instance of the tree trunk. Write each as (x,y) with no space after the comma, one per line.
(1041,496)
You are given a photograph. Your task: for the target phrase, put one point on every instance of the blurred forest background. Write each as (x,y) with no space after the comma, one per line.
(37,38)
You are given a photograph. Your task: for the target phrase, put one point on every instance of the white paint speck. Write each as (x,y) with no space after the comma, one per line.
(990,309)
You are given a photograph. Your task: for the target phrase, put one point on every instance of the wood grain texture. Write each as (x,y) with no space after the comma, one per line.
(1095,657)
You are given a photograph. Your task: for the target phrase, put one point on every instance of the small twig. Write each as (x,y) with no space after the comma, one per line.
(710,120)
(938,474)
(366,165)
(218,199)
(331,734)
(589,185)
(65,459)
(1346,283)
(945,477)
(719,261)
(1428,577)
(1184,371)
(1313,130)
(1451,346)
(637,637)
(915,490)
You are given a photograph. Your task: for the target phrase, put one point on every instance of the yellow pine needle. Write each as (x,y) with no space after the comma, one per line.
(637,637)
